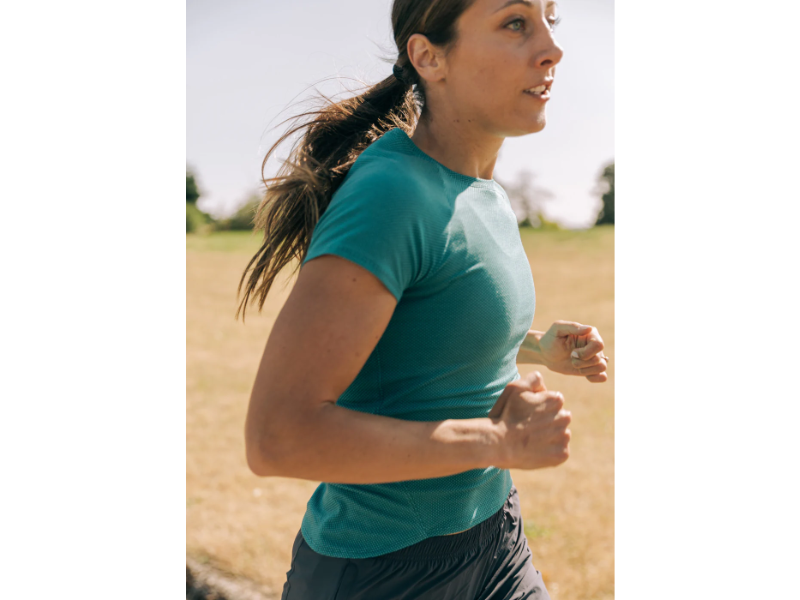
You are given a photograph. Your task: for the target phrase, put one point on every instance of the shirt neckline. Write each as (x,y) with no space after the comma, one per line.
(473,181)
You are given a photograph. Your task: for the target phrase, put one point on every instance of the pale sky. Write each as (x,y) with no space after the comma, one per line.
(248,61)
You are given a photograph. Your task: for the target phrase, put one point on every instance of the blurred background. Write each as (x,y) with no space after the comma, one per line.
(248,64)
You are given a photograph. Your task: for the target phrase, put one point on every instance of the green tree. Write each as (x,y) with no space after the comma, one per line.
(192,194)
(196,219)
(605,187)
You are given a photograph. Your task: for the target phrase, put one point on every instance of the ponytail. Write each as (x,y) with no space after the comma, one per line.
(334,136)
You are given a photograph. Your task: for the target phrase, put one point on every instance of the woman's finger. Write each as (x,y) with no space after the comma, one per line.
(594,370)
(594,360)
(599,378)
(593,347)
(566,328)
(533,381)
(536,381)
(500,404)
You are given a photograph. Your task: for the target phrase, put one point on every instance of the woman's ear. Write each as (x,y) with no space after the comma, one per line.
(428,60)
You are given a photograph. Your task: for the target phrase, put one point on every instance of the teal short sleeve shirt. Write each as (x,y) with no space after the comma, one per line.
(447,247)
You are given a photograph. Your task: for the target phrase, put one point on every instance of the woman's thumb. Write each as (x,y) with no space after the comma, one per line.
(498,407)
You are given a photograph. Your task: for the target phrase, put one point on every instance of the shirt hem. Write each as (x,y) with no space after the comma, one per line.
(325,550)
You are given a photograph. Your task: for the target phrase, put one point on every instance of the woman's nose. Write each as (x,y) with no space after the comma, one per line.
(550,55)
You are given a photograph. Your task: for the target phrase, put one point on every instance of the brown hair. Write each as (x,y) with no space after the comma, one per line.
(333,138)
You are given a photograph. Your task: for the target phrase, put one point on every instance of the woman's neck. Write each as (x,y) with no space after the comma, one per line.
(457,147)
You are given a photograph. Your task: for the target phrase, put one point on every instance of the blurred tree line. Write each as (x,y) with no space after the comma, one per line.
(528,200)
(526,196)
(243,218)
(198,221)
(605,189)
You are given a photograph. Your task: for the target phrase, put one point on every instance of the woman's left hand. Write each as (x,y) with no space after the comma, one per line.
(574,349)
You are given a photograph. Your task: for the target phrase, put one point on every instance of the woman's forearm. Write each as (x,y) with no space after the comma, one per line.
(339,445)
(529,351)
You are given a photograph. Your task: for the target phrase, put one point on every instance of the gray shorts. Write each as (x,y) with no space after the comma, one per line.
(490,561)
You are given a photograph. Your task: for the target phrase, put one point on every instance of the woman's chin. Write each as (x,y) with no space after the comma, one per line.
(539,125)
(527,128)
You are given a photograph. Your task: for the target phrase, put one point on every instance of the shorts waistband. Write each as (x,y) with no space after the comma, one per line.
(445,545)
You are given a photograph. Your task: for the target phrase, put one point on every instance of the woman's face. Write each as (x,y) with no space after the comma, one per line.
(504,48)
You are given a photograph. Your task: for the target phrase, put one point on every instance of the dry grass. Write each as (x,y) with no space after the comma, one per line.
(246,524)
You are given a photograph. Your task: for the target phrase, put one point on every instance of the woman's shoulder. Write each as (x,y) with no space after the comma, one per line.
(381,191)
(389,175)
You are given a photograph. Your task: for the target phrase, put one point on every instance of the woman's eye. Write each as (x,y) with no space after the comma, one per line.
(521,23)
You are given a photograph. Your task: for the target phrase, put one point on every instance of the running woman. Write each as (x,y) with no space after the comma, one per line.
(390,374)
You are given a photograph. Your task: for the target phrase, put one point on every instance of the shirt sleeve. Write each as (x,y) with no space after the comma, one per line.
(381,220)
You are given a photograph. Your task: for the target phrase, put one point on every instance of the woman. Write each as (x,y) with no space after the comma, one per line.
(390,373)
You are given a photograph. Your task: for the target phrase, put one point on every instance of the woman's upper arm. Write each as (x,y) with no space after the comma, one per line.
(323,335)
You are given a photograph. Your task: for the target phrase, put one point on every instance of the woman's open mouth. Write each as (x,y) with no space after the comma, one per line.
(540,92)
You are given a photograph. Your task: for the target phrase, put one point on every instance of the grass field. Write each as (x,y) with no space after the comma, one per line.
(246,524)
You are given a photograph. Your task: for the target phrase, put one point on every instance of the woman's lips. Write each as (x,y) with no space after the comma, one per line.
(541,91)
(543,97)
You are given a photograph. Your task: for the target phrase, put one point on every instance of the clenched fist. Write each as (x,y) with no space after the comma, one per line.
(533,423)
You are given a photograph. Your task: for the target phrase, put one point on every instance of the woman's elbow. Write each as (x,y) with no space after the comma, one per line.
(259,466)
(274,445)
(263,455)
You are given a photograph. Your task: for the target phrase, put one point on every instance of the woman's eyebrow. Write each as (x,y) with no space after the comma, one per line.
(527,3)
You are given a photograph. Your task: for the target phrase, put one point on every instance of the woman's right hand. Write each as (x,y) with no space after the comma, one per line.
(533,423)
